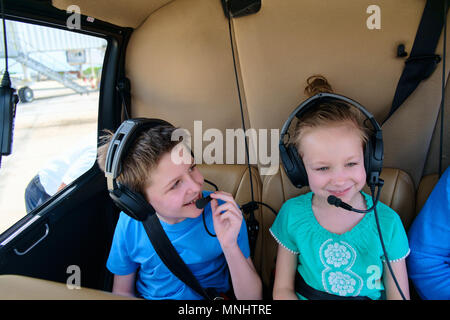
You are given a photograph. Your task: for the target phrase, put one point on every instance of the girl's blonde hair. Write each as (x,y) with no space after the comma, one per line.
(328,113)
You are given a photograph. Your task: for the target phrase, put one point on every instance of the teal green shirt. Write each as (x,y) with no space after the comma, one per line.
(348,264)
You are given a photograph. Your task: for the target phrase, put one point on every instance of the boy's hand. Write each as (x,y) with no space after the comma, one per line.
(227,219)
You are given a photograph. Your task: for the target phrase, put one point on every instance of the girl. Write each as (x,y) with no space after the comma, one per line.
(331,249)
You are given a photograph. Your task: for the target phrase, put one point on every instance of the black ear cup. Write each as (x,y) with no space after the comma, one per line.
(373,160)
(293,165)
(368,151)
(132,203)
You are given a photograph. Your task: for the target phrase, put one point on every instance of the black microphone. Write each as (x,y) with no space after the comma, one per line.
(202,202)
(335,201)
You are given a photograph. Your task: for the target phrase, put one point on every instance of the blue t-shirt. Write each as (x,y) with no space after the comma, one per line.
(429,237)
(131,249)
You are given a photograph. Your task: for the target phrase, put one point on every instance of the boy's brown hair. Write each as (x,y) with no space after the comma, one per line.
(142,157)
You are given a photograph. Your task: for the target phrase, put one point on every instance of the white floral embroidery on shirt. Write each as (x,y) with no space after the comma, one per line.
(338,258)
(337,255)
(342,284)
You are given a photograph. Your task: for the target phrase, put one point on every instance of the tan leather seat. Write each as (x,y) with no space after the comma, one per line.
(426,185)
(398,193)
(235,179)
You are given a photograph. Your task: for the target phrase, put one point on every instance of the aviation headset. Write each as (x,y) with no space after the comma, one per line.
(373,151)
(132,203)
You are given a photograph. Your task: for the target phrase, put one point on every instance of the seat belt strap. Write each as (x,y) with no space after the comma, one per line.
(422,61)
(170,257)
(313,294)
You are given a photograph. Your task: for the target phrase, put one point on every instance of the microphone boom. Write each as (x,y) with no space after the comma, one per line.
(202,202)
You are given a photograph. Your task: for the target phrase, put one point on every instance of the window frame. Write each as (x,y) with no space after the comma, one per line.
(109,106)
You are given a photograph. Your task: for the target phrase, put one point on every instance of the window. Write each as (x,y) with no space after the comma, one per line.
(56,74)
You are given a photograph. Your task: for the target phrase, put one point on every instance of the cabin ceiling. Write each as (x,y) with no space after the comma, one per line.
(130,13)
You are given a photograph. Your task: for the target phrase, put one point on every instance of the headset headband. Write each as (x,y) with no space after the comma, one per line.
(309,103)
(120,144)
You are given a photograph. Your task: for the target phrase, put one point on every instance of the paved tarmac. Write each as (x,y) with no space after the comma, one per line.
(43,129)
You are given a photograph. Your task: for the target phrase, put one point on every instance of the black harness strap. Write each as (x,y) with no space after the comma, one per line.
(312,294)
(170,257)
(422,61)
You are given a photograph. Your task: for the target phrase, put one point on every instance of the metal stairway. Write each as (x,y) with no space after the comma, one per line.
(43,69)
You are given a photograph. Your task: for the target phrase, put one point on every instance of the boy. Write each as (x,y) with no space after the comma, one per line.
(172,190)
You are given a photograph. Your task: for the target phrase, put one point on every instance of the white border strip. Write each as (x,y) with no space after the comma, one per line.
(279,242)
(18,231)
